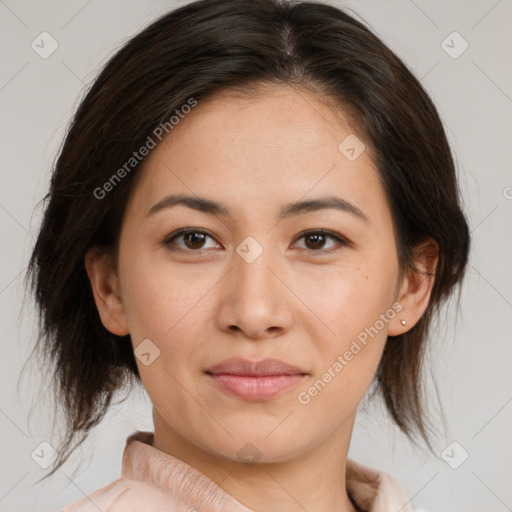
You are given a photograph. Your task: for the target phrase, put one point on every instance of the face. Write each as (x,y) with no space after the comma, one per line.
(313,287)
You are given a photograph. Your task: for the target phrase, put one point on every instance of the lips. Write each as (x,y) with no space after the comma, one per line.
(264,367)
(255,380)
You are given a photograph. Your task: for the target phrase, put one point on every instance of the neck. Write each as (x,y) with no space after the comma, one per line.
(313,480)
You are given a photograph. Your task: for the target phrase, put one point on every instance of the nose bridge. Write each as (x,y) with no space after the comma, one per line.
(256,300)
(252,274)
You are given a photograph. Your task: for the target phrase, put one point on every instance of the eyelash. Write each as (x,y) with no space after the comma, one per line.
(167,242)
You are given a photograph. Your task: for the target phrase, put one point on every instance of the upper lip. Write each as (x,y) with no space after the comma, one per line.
(239,366)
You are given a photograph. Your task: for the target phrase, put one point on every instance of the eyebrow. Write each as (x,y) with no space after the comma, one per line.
(205,205)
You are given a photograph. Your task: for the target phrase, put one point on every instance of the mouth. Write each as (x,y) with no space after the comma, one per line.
(253,387)
(255,380)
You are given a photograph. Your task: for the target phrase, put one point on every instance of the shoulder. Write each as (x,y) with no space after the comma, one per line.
(373,490)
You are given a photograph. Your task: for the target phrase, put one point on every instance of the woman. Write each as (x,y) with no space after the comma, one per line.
(255,215)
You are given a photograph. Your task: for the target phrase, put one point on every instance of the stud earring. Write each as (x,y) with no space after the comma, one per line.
(403,322)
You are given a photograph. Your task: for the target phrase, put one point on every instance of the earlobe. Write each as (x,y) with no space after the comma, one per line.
(416,288)
(106,290)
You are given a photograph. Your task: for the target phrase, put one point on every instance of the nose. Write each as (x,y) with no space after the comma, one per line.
(255,301)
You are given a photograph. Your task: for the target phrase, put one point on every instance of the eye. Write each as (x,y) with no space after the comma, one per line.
(193,238)
(315,239)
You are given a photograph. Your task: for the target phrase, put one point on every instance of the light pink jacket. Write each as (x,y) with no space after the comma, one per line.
(152,480)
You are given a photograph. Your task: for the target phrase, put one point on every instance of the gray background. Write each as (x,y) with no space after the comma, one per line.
(471,352)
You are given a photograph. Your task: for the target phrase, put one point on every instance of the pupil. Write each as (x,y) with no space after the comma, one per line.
(193,237)
(319,239)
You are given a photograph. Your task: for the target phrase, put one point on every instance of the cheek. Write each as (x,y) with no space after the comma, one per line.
(167,308)
(349,353)
(346,299)
(158,299)
(354,304)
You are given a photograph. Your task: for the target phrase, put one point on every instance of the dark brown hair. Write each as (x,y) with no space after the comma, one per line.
(197,50)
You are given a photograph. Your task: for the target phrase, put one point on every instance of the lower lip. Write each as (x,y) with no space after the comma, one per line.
(255,387)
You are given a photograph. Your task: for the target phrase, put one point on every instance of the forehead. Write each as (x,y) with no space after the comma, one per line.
(252,152)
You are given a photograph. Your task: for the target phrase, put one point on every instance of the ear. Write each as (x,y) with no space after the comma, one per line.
(106,289)
(416,287)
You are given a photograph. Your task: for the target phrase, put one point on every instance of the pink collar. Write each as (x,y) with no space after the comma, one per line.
(371,490)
